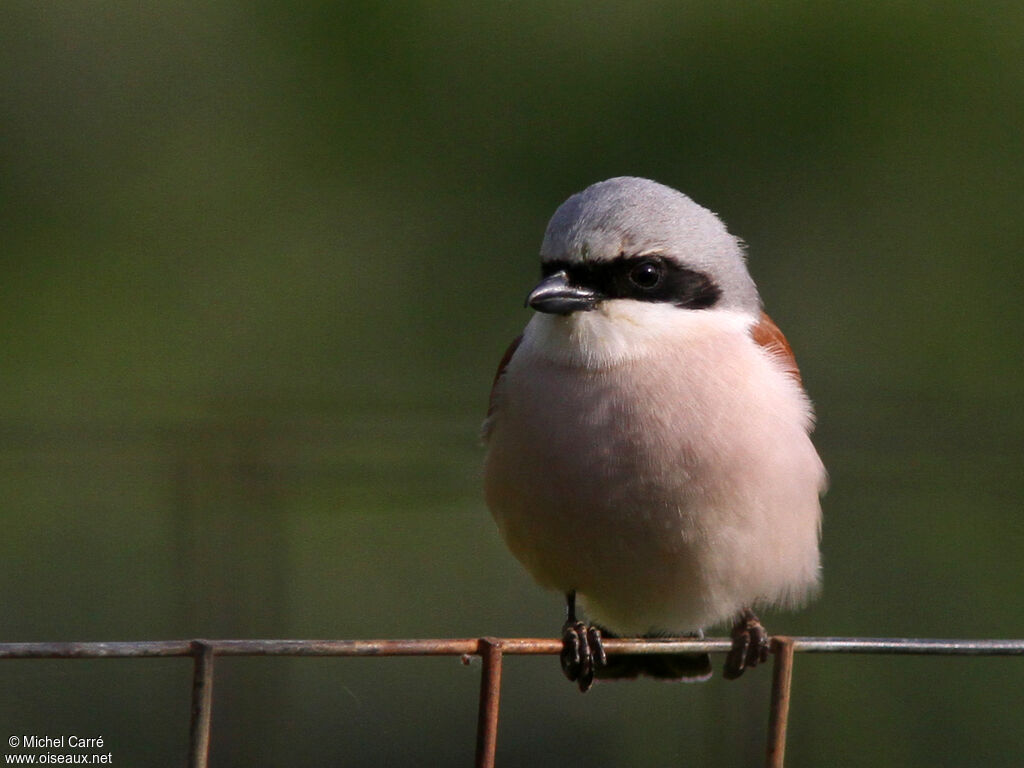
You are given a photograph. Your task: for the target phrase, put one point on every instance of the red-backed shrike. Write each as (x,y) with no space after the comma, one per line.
(648,443)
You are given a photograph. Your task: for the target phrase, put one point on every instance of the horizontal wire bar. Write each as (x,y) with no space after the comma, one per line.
(909,645)
(96,650)
(509,646)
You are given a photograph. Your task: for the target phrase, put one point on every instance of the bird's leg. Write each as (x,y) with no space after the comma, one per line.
(582,650)
(749,645)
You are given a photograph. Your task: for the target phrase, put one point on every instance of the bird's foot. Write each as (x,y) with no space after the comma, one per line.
(582,653)
(749,645)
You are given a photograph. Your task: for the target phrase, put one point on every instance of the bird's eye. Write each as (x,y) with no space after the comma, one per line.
(646,274)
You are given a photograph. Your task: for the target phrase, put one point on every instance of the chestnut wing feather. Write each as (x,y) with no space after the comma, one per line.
(767,335)
(491,404)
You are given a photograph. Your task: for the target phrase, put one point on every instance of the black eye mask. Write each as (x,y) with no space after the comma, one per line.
(643,278)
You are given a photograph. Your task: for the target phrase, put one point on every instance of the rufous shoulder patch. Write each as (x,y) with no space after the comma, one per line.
(501,370)
(767,335)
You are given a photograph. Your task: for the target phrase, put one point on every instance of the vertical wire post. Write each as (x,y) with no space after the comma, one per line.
(202,705)
(778,718)
(490,694)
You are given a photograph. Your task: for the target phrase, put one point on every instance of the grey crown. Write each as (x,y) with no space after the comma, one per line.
(638,216)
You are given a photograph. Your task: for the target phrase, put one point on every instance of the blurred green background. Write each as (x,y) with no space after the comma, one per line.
(260,260)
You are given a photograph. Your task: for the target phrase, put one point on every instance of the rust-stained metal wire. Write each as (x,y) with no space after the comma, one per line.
(491,651)
(778,713)
(202,705)
(490,693)
(510,646)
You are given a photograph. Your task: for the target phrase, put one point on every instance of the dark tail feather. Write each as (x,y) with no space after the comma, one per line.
(684,667)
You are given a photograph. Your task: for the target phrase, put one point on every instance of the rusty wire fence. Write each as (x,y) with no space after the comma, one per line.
(491,650)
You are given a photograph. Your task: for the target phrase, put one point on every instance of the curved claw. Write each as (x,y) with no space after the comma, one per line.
(582,653)
(596,645)
(573,650)
(749,646)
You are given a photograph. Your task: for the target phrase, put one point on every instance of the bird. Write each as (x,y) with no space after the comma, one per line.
(647,438)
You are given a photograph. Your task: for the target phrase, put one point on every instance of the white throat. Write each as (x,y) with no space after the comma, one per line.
(623,331)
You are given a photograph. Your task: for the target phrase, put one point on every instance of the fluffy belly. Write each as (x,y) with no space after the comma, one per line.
(604,523)
(669,509)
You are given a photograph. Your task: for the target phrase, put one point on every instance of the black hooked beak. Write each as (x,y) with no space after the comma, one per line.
(555,295)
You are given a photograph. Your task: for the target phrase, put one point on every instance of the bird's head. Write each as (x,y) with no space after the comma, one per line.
(633,240)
